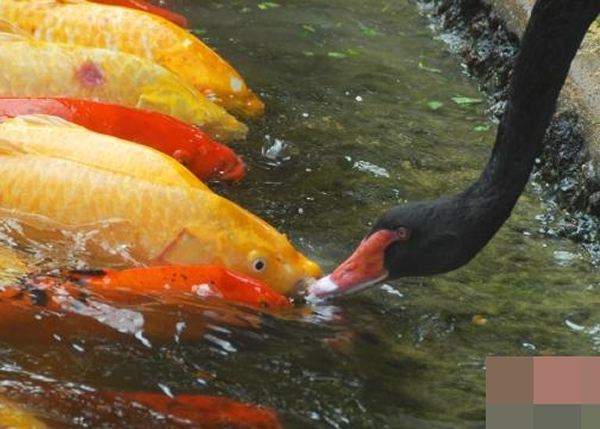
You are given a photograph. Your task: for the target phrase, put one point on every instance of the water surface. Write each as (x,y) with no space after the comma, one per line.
(360,116)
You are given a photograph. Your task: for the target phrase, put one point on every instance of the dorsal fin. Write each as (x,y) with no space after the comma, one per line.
(41,119)
(10,32)
(8,148)
(71,1)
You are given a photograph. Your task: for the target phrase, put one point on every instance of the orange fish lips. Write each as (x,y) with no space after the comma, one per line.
(220,164)
(232,169)
(234,172)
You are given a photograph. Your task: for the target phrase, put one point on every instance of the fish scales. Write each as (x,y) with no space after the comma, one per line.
(148,208)
(139,33)
(38,134)
(171,219)
(42,69)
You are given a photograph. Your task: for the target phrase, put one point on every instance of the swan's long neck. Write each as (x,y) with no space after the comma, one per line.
(552,37)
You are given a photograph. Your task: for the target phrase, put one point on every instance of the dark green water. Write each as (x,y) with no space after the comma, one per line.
(349,88)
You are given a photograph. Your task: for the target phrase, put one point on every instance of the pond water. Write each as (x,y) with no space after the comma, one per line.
(360,116)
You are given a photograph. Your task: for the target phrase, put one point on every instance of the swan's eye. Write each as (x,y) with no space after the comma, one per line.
(402,233)
(259,265)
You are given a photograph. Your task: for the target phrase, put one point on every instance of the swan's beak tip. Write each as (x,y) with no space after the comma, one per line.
(322,288)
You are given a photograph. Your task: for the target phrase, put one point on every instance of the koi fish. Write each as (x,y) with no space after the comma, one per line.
(204,282)
(54,402)
(47,304)
(138,33)
(51,136)
(147,7)
(147,202)
(13,416)
(42,69)
(204,157)
(203,410)
(74,303)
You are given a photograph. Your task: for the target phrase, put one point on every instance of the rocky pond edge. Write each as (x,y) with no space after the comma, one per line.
(567,176)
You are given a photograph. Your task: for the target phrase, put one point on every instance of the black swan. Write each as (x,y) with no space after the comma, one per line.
(431,237)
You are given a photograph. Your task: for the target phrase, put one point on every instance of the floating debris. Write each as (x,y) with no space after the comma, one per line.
(368,167)
(564,258)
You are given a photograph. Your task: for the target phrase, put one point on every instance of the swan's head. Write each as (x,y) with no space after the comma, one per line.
(409,240)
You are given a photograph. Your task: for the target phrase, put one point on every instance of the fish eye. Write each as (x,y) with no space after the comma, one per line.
(259,265)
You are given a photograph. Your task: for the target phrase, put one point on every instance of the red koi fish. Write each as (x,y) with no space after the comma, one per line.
(150,8)
(168,282)
(186,143)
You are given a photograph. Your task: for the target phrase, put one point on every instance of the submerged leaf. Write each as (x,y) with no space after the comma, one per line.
(429,69)
(268,5)
(199,31)
(369,31)
(482,128)
(466,101)
(435,105)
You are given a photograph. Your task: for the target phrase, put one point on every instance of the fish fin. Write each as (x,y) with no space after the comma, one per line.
(84,276)
(71,1)
(41,119)
(10,32)
(54,2)
(184,248)
(84,273)
(166,253)
(10,37)
(9,148)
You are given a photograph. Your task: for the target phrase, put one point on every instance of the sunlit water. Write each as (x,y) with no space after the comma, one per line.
(360,116)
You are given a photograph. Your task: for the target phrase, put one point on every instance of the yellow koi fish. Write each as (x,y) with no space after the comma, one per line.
(138,33)
(42,69)
(168,220)
(13,416)
(59,138)
(12,267)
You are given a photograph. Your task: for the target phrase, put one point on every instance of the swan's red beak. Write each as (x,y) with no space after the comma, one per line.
(363,269)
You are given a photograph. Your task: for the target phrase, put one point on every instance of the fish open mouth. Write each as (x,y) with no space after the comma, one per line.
(235,172)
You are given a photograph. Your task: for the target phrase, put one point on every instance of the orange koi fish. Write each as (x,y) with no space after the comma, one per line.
(138,33)
(46,305)
(147,7)
(14,416)
(57,405)
(41,69)
(204,282)
(203,410)
(204,157)
(55,177)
